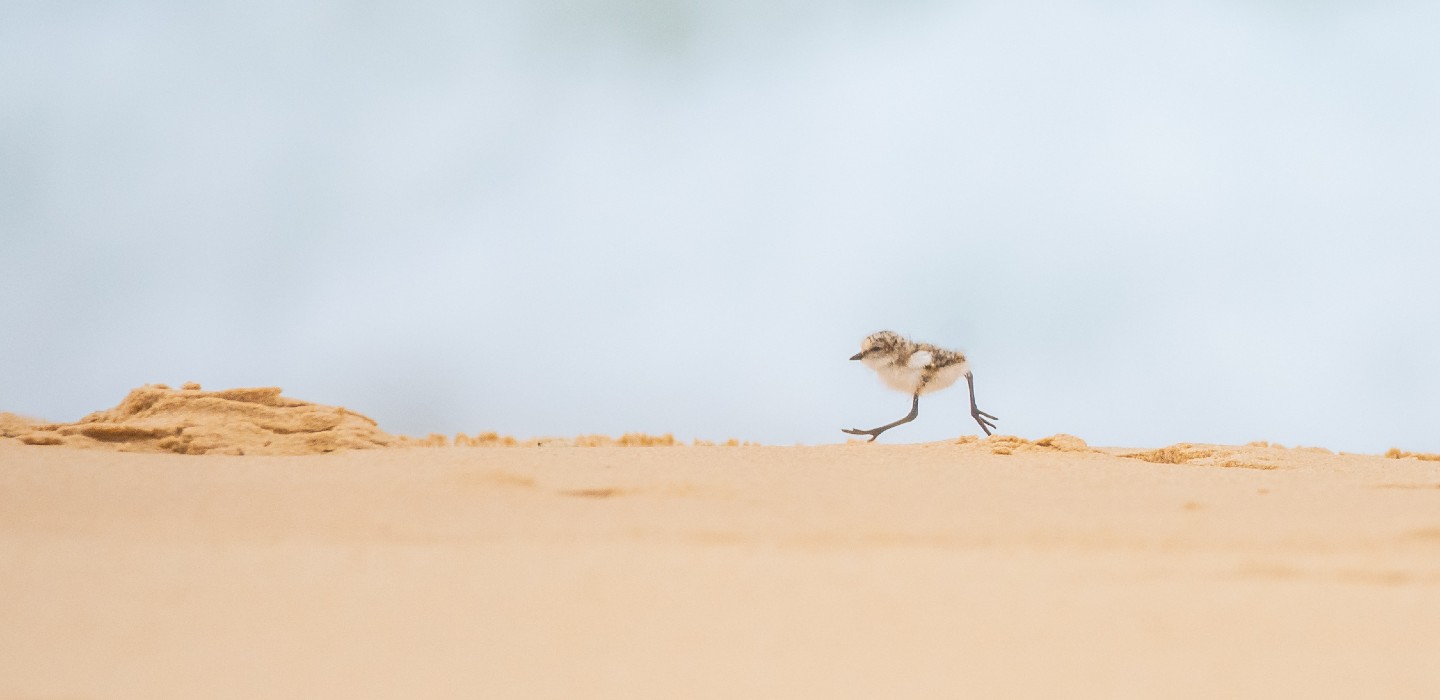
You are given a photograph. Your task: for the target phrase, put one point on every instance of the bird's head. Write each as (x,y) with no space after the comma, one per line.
(878,345)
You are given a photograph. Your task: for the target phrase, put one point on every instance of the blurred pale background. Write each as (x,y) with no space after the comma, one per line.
(1145,222)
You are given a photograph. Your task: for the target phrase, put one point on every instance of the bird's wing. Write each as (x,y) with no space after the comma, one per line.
(920,359)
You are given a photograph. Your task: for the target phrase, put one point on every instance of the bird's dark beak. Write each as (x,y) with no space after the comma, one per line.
(857,355)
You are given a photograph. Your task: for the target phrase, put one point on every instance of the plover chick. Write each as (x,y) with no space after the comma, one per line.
(916,368)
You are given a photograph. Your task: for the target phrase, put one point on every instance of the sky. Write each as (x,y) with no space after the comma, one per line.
(1145,223)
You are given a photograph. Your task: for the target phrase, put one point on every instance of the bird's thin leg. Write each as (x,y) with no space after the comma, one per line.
(975,411)
(875,432)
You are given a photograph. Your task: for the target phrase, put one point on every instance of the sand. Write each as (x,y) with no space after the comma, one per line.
(971,568)
(156,418)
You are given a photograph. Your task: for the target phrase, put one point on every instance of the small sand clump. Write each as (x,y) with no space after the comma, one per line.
(431,440)
(156,418)
(1180,453)
(1063,443)
(1010,444)
(490,439)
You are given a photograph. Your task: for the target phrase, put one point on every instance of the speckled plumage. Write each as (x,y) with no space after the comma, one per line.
(916,369)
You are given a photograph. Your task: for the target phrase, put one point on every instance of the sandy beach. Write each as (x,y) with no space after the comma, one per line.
(1004,567)
(523,350)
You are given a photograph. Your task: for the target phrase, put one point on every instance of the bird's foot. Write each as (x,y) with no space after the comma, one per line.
(873,432)
(980,417)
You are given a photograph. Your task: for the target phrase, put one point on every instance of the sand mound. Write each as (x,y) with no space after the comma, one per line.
(12,425)
(156,418)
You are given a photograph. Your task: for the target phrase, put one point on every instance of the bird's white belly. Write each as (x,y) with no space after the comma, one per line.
(945,377)
(907,378)
(899,378)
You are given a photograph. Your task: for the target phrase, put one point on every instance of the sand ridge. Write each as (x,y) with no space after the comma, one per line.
(260,421)
(189,420)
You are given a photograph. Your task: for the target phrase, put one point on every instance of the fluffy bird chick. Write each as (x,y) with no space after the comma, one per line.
(916,369)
